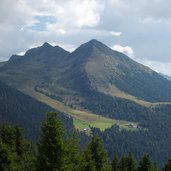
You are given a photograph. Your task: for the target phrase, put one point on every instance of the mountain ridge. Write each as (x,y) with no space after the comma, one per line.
(92,65)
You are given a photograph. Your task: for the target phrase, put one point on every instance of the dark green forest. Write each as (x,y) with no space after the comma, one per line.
(25,111)
(56,152)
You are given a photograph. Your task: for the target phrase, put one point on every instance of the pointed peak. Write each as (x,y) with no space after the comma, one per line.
(94,42)
(90,45)
(46,45)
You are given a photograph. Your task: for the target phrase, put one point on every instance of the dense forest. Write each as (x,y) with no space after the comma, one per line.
(56,152)
(154,120)
(25,111)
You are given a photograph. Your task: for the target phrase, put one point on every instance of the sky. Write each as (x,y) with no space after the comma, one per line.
(139,28)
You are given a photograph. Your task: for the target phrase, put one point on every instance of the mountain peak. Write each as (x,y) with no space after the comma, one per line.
(96,43)
(88,46)
(46,45)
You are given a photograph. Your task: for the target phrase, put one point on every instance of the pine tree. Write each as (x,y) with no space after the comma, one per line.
(51,147)
(145,163)
(23,152)
(88,164)
(155,167)
(123,163)
(167,167)
(131,164)
(73,154)
(17,147)
(99,154)
(7,135)
(115,163)
(5,158)
(19,141)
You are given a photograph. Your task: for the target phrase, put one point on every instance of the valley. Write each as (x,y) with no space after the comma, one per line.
(83,119)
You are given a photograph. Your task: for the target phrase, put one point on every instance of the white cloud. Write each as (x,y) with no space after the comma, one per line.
(124,49)
(21,53)
(155,9)
(114,33)
(77,21)
(62,31)
(70,13)
(160,67)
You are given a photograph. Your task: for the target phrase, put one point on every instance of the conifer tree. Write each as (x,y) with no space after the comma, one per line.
(51,147)
(167,166)
(5,158)
(131,164)
(16,148)
(99,154)
(123,163)
(115,163)
(155,167)
(73,154)
(145,163)
(87,161)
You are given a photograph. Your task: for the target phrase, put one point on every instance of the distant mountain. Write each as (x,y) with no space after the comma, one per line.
(166,76)
(36,66)
(18,108)
(2,63)
(93,77)
(95,66)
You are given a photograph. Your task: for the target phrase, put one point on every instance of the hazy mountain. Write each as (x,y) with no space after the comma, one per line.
(93,69)
(37,65)
(18,108)
(95,66)
(166,76)
(2,63)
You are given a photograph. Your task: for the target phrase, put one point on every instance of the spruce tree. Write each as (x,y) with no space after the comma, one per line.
(5,158)
(88,164)
(99,154)
(123,163)
(131,164)
(167,166)
(155,167)
(16,148)
(73,154)
(51,147)
(115,163)
(145,163)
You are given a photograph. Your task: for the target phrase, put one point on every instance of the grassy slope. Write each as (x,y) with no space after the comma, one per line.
(82,119)
(115,92)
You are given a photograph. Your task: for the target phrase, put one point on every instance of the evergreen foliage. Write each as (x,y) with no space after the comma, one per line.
(56,152)
(51,147)
(167,167)
(145,163)
(115,163)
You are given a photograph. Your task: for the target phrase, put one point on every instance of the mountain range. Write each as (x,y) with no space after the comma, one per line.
(92,67)
(95,82)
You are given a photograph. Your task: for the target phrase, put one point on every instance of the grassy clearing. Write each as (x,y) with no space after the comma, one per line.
(114,91)
(82,119)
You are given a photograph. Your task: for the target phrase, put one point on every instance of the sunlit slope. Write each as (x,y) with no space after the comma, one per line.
(82,119)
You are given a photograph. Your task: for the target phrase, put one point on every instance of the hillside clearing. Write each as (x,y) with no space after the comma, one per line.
(82,119)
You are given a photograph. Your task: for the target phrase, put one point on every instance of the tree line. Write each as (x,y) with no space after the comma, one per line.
(55,152)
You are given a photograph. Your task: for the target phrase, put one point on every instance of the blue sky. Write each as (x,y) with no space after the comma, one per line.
(41,23)
(140,29)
